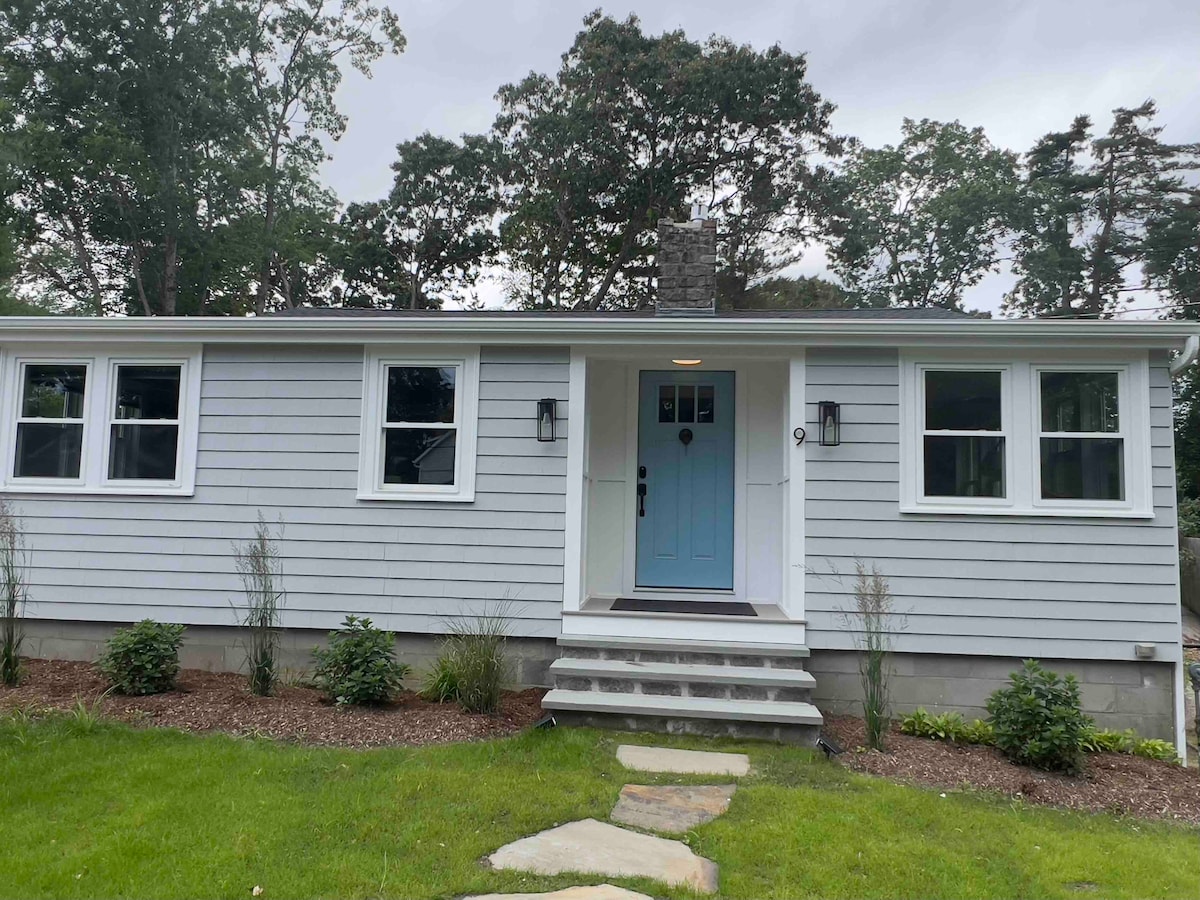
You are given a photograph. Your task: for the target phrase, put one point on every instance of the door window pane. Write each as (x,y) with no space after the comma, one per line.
(962,401)
(53,392)
(666,403)
(705,403)
(418,456)
(964,466)
(420,393)
(143,452)
(1083,468)
(147,392)
(1080,402)
(48,450)
(687,403)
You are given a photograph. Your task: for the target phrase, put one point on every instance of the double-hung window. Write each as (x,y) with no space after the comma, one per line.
(418,439)
(102,423)
(1081,447)
(1026,437)
(964,442)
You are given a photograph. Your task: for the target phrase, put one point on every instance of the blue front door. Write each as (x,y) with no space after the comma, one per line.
(685,480)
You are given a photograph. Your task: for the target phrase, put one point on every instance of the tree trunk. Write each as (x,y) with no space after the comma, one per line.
(170,275)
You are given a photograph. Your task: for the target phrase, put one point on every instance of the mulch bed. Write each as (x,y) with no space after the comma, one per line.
(217,701)
(1112,782)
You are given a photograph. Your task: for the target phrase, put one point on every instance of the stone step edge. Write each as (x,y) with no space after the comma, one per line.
(757,676)
(774,712)
(670,645)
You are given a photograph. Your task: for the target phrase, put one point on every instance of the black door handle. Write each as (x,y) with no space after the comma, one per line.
(641,495)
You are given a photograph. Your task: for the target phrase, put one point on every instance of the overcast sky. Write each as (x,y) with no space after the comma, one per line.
(1019,69)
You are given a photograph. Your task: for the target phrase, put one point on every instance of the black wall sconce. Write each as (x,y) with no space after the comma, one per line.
(830,416)
(547,415)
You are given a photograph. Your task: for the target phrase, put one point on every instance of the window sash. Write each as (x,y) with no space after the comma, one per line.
(1121,435)
(379,478)
(1003,435)
(114,386)
(21,419)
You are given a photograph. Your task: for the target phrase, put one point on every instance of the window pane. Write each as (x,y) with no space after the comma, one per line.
(147,392)
(666,403)
(964,467)
(48,450)
(705,400)
(1083,469)
(420,393)
(143,451)
(962,401)
(1080,401)
(418,456)
(687,403)
(53,392)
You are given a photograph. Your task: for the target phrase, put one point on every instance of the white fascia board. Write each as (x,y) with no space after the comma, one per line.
(601,330)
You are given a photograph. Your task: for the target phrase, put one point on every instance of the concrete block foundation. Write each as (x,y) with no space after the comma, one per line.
(216,648)
(1118,694)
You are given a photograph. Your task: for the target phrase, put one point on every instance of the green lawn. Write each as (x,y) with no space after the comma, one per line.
(102,810)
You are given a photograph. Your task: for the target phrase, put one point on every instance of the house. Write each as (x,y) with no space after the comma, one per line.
(671,502)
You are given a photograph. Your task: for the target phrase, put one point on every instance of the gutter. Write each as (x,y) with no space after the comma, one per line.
(1191,350)
(603,330)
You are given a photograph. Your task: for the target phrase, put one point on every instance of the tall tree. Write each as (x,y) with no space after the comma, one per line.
(428,239)
(1084,225)
(295,53)
(633,128)
(917,223)
(145,177)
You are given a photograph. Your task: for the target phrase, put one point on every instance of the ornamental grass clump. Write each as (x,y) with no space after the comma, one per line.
(15,590)
(871,623)
(359,668)
(1037,720)
(143,659)
(260,567)
(473,665)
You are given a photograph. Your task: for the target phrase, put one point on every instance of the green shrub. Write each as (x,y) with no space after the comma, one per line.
(1153,748)
(143,659)
(1037,720)
(360,666)
(946,727)
(441,682)
(473,664)
(1099,740)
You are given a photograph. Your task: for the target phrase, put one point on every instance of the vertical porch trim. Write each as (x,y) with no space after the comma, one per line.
(574,528)
(794,480)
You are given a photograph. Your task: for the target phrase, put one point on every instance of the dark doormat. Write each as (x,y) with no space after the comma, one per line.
(693,607)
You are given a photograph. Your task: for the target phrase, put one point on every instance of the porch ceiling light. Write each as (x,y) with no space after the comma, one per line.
(830,416)
(547,415)
(687,362)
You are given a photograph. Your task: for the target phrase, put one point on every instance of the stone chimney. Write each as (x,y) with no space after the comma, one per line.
(687,268)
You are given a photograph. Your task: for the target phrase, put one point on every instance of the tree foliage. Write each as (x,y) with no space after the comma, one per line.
(916,223)
(1101,217)
(779,292)
(164,152)
(634,128)
(428,239)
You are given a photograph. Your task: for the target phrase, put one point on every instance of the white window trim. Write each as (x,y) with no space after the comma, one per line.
(466,417)
(1022,438)
(100,395)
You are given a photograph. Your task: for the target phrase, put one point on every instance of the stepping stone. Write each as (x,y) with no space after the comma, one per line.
(591,892)
(597,847)
(684,762)
(671,807)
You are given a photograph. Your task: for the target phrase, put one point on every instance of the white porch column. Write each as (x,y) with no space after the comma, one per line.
(575,531)
(793,506)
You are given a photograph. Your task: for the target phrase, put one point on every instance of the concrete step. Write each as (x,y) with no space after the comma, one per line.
(642,705)
(671,645)
(758,676)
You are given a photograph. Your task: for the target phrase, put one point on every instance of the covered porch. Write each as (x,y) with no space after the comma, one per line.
(685,495)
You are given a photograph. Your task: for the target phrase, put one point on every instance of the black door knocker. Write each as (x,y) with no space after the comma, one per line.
(685,436)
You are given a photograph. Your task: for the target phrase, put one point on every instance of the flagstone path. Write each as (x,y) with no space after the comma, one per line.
(593,847)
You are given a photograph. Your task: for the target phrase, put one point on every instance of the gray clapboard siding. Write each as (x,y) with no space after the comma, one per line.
(279,432)
(1067,588)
